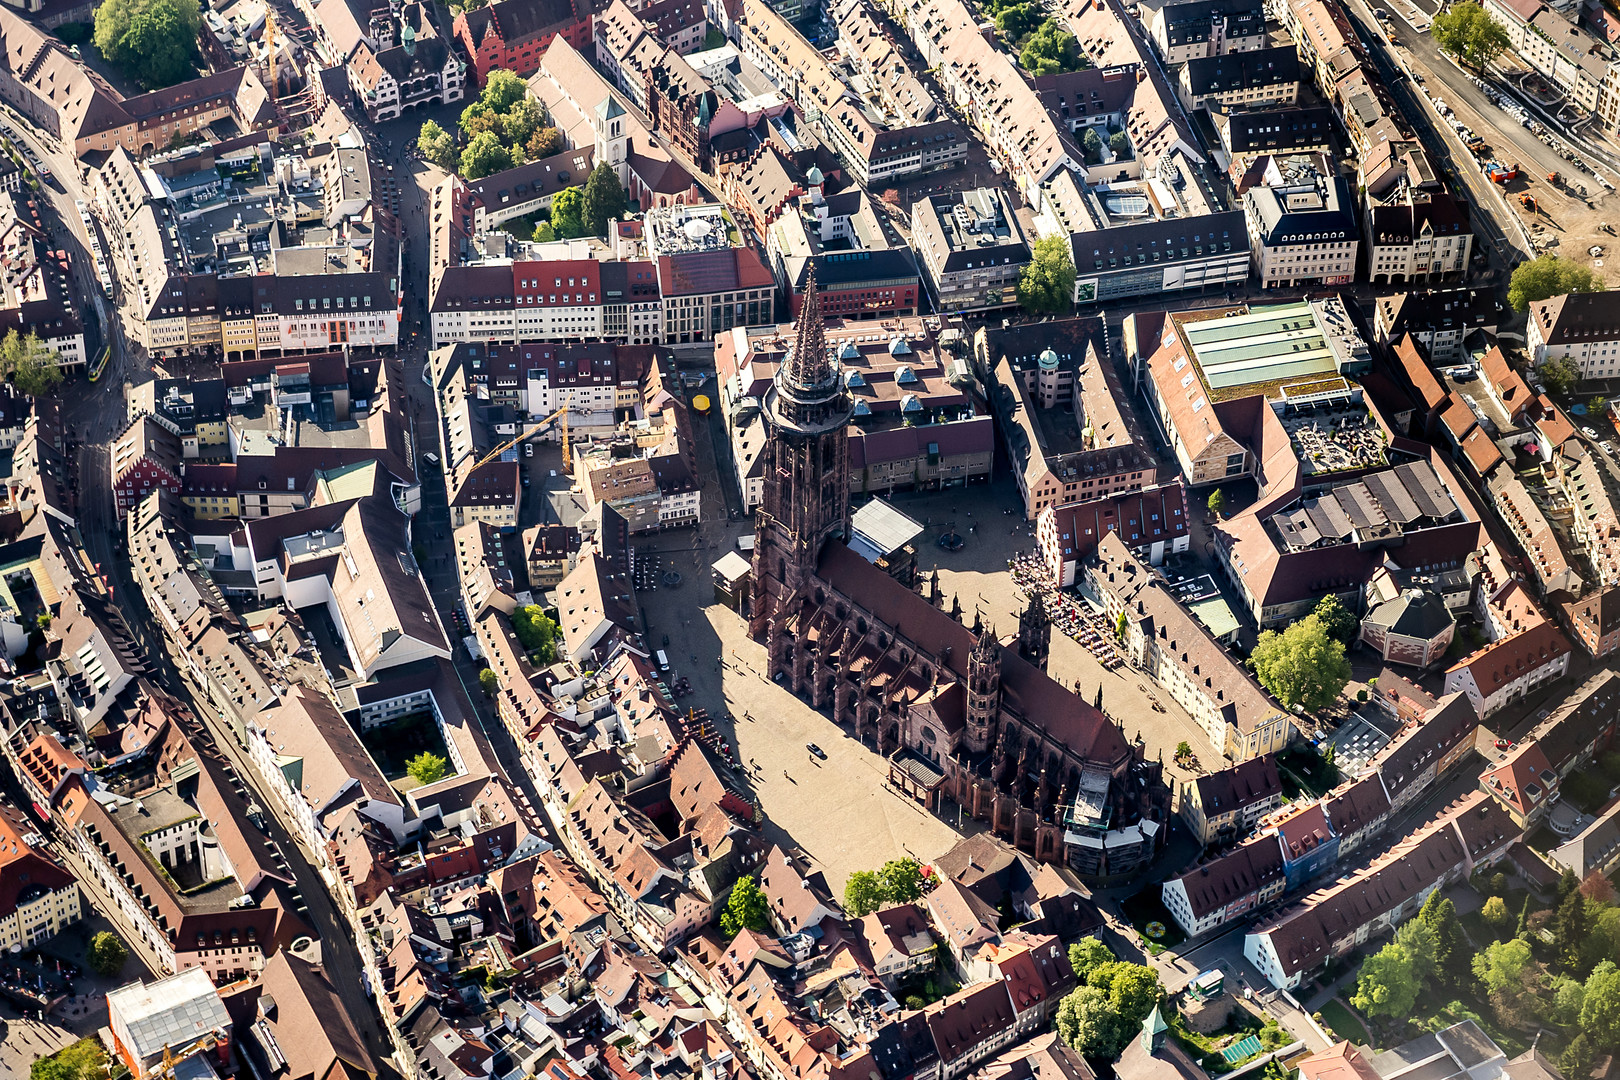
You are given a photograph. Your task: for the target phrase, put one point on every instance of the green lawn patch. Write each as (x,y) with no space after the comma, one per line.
(1343,1024)
(1146,908)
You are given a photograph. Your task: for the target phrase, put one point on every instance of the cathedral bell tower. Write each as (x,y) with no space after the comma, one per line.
(1035,632)
(983,690)
(806,498)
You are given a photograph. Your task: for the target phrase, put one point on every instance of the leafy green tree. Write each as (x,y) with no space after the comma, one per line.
(1302,666)
(1047,284)
(1578,1057)
(489,682)
(1133,990)
(1571,925)
(544,233)
(1501,965)
(154,42)
(1015,21)
(1495,913)
(1091,145)
(1183,749)
(863,894)
(1547,275)
(1087,1022)
(1216,503)
(1388,984)
(427,767)
(438,146)
(1564,1009)
(1120,143)
(604,199)
(1338,621)
(1421,944)
(1559,374)
(1467,32)
(502,90)
(746,909)
(1603,942)
(1051,50)
(107,954)
(536,631)
(32,366)
(1567,883)
(545,142)
(901,881)
(83,1060)
(522,120)
(484,156)
(478,119)
(568,213)
(1600,1006)
(1086,955)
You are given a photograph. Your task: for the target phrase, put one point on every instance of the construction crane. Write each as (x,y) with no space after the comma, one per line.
(532,429)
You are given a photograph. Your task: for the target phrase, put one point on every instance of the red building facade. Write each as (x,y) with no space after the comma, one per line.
(513,34)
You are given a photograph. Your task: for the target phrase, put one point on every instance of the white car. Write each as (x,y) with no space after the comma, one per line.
(1589,432)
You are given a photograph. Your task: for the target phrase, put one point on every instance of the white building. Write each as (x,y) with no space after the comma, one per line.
(1583,327)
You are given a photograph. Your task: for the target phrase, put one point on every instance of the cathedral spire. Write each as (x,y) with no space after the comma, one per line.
(808,367)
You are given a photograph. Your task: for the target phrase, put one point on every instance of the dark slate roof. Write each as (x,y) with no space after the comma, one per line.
(1278,128)
(1244,70)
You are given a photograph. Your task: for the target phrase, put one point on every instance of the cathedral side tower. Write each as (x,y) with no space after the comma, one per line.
(1035,632)
(983,690)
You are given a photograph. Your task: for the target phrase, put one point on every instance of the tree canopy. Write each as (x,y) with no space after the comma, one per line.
(82,1060)
(1559,374)
(604,199)
(536,631)
(1500,966)
(1547,274)
(1336,619)
(898,881)
(484,155)
(107,954)
(568,213)
(545,142)
(1388,984)
(1047,284)
(438,146)
(1467,32)
(32,366)
(427,767)
(154,42)
(1301,666)
(746,909)
(1450,944)
(1051,50)
(1102,1015)
(489,682)
(1087,954)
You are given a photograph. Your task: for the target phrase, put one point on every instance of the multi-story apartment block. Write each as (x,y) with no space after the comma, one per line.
(972,247)
(1163,639)
(1582,327)
(1267,76)
(1302,223)
(38,898)
(1224,805)
(1576,61)
(1186,30)
(1416,231)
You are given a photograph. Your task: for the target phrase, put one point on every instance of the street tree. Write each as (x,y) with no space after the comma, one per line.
(484,155)
(489,682)
(107,954)
(604,199)
(863,894)
(1336,619)
(746,908)
(1216,503)
(1086,954)
(1046,285)
(1301,666)
(32,366)
(1548,275)
(438,146)
(1467,32)
(901,880)
(1087,1022)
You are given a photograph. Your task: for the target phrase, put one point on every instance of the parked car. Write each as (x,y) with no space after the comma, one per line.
(816,750)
